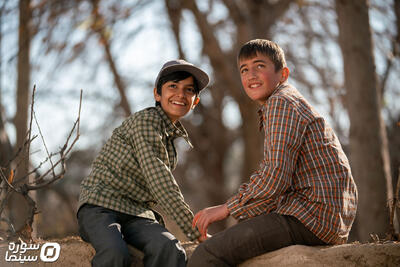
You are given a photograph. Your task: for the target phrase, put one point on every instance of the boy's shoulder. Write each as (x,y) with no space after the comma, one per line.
(287,94)
(293,99)
(145,117)
(150,113)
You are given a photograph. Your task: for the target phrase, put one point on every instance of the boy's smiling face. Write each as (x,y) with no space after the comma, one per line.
(259,78)
(177,98)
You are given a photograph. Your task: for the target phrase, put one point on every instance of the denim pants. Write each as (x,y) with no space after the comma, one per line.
(251,238)
(109,232)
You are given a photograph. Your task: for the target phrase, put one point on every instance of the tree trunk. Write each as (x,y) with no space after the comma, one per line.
(252,139)
(18,206)
(397,12)
(368,142)
(227,83)
(99,27)
(6,149)
(124,103)
(23,80)
(6,152)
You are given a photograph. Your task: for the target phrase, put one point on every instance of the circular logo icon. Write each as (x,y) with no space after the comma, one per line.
(50,252)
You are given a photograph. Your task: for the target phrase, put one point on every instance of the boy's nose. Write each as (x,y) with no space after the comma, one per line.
(252,73)
(180,92)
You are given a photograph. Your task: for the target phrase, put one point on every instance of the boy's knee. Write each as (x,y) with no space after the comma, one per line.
(167,246)
(171,245)
(198,257)
(112,256)
(203,257)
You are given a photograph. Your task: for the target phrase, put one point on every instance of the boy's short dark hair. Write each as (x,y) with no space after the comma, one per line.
(175,77)
(265,47)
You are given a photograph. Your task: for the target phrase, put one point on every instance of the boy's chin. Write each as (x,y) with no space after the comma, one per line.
(177,115)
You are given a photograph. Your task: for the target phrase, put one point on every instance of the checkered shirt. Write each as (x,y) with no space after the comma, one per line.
(304,172)
(133,171)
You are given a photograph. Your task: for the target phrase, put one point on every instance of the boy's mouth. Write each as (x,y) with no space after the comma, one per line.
(178,103)
(254,85)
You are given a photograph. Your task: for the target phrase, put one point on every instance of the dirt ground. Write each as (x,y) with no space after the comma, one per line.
(75,252)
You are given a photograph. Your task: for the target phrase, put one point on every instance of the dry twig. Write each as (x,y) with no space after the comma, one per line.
(21,186)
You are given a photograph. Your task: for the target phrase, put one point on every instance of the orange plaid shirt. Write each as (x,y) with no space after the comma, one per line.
(304,173)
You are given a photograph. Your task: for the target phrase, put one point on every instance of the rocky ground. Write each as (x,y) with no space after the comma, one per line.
(75,252)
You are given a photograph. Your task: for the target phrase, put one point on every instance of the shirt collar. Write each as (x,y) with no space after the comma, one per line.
(173,130)
(260,113)
(261,110)
(278,88)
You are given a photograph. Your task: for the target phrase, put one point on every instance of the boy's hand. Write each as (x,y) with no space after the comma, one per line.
(202,238)
(205,217)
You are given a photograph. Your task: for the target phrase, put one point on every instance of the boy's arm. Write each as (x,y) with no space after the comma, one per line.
(283,135)
(207,216)
(148,146)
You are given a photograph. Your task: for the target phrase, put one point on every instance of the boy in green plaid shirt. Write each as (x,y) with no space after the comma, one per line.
(133,173)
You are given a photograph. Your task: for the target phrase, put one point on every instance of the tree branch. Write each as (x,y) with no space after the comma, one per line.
(174,10)
(42,180)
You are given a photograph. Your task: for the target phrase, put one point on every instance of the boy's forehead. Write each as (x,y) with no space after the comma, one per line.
(255,57)
(248,56)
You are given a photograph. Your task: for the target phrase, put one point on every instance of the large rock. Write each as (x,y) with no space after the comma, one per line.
(75,252)
(344,255)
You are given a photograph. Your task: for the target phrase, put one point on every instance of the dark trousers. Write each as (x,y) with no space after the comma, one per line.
(251,238)
(108,231)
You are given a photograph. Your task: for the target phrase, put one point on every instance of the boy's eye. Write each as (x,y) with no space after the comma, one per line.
(172,85)
(243,70)
(191,90)
(260,66)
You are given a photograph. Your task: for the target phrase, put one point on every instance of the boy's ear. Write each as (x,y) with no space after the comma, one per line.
(195,102)
(284,74)
(157,97)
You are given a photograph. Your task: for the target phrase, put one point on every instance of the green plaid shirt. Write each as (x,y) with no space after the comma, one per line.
(133,171)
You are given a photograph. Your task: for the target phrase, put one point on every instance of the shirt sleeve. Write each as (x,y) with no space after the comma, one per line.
(149,148)
(283,135)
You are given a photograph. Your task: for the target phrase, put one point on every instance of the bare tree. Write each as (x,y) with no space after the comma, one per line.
(213,139)
(5,145)
(21,117)
(45,16)
(22,103)
(99,26)
(22,185)
(368,142)
(6,149)
(305,29)
(97,18)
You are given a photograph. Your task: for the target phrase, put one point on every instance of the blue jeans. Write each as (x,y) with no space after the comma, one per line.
(251,238)
(109,232)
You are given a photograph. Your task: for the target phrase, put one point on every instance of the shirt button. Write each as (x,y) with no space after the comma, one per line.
(242,217)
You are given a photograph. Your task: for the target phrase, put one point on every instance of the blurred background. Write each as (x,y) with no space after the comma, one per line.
(343,56)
